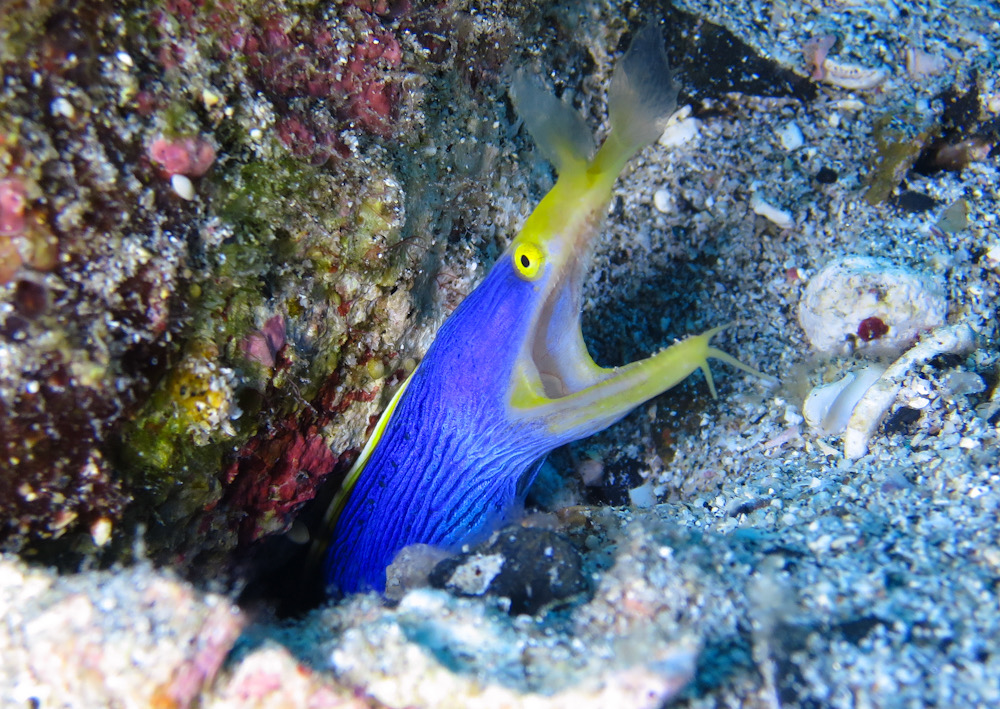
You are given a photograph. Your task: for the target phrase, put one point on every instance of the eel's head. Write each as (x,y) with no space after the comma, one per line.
(552,252)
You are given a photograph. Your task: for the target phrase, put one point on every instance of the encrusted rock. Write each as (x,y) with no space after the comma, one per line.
(869,302)
(534,568)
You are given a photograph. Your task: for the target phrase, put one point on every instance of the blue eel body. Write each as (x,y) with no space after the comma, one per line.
(449,465)
(509,377)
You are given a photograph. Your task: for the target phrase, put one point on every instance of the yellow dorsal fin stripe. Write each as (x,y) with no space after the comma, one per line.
(340,499)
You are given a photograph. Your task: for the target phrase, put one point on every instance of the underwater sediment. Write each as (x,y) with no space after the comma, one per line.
(229,230)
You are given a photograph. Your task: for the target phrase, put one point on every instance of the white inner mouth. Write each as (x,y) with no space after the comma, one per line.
(556,342)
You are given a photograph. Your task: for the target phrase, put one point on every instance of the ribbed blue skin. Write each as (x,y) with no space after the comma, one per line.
(452,464)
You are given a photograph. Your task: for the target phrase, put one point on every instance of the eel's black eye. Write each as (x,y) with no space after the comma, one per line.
(528,258)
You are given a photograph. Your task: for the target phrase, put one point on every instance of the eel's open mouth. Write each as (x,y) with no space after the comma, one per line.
(556,343)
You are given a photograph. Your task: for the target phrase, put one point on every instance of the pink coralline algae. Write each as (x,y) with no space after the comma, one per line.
(350,60)
(383,7)
(262,346)
(13,199)
(372,100)
(188,156)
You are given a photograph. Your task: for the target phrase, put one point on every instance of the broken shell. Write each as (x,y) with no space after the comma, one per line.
(815,50)
(62,107)
(591,471)
(780,217)
(918,402)
(959,383)
(867,415)
(643,496)
(852,76)
(663,201)
(828,407)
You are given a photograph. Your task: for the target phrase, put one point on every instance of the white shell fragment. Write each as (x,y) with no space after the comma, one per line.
(681,128)
(992,255)
(828,407)
(964,383)
(954,339)
(781,217)
(852,76)
(850,290)
(182,186)
(790,136)
(642,496)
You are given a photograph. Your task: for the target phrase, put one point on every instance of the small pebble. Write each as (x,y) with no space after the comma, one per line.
(100,531)
(210,98)
(62,107)
(376,368)
(532,567)
(826,176)
(642,496)
(954,218)
(921,64)
(992,255)
(663,201)
(916,202)
(918,402)
(591,472)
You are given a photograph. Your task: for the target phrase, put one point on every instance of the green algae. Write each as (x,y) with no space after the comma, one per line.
(899,141)
(21,24)
(296,239)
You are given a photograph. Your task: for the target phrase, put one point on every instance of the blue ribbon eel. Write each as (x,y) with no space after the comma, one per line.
(508,377)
